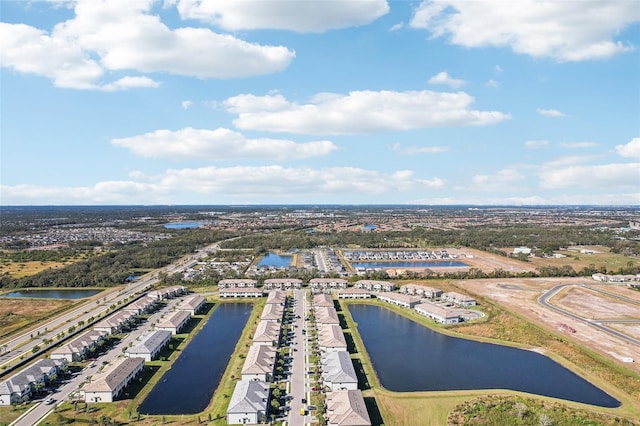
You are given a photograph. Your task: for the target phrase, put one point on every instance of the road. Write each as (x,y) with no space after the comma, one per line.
(544,301)
(299,366)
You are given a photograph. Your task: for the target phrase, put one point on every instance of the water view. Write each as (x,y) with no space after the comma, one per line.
(188,386)
(417,264)
(275,260)
(184,225)
(63,293)
(409,357)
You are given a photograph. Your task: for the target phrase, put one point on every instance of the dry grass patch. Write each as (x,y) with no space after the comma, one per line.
(18,313)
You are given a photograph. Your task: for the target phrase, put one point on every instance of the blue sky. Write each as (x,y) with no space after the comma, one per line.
(320,102)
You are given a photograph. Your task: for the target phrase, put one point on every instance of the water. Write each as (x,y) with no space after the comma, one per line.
(64,293)
(409,357)
(188,386)
(275,260)
(417,264)
(184,225)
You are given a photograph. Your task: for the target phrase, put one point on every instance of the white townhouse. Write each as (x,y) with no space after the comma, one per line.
(80,347)
(168,292)
(323,300)
(458,299)
(276,298)
(174,322)
(237,283)
(347,408)
(192,304)
(272,312)
(20,386)
(438,313)
(282,284)
(373,285)
(267,333)
(328,283)
(421,290)
(150,344)
(107,385)
(399,299)
(354,293)
(338,372)
(259,363)
(326,316)
(140,306)
(331,339)
(115,323)
(249,403)
(240,292)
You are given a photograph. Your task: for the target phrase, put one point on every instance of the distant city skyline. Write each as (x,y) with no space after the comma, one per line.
(437,102)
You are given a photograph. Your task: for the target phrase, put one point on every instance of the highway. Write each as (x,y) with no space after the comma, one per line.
(544,301)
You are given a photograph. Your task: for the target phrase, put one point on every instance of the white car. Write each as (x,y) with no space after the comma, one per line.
(50,401)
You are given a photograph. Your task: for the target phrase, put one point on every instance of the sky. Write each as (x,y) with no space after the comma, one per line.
(436,102)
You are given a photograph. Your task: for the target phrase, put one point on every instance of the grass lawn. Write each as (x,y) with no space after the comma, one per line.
(9,414)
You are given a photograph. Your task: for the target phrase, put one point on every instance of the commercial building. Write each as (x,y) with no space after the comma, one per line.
(107,385)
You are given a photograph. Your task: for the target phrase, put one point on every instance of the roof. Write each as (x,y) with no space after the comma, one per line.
(175,319)
(149,342)
(260,359)
(337,367)
(191,302)
(109,379)
(266,331)
(249,396)
(276,297)
(326,315)
(347,407)
(331,336)
(323,299)
(272,312)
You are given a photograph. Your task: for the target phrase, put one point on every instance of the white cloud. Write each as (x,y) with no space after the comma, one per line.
(536,144)
(412,150)
(613,177)
(602,199)
(359,112)
(550,112)
(186,104)
(266,184)
(121,35)
(629,150)
(578,145)
(219,145)
(308,16)
(562,30)
(397,27)
(492,83)
(498,69)
(502,180)
(444,78)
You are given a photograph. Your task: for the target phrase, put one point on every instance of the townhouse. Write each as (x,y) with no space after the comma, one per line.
(249,403)
(168,292)
(237,283)
(140,306)
(338,372)
(326,316)
(267,333)
(192,304)
(276,298)
(259,363)
(328,283)
(240,292)
(150,345)
(399,299)
(174,322)
(80,347)
(373,285)
(347,407)
(272,312)
(438,313)
(21,386)
(107,385)
(421,290)
(323,300)
(282,284)
(331,339)
(354,293)
(116,323)
(458,299)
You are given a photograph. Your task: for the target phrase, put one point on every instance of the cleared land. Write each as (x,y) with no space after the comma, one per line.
(589,304)
(602,257)
(18,313)
(488,262)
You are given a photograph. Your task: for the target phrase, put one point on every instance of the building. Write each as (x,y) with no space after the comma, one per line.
(107,385)
(347,407)
(328,283)
(20,387)
(174,322)
(459,299)
(237,283)
(338,372)
(240,292)
(249,403)
(354,293)
(276,298)
(272,312)
(331,339)
(421,290)
(521,250)
(80,347)
(192,304)
(140,306)
(116,323)
(168,292)
(399,299)
(150,345)
(323,300)
(373,285)
(259,363)
(282,283)
(438,313)
(267,333)
(326,316)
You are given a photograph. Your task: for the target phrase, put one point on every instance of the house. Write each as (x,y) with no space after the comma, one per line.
(107,385)
(237,283)
(282,283)
(116,323)
(323,300)
(328,283)
(373,285)
(240,292)
(398,299)
(331,339)
(20,386)
(140,306)
(259,363)
(249,403)
(174,322)
(338,372)
(192,304)
(347,407)
(272,312)
(267,333)
(276,298)
(78,348)
(521,250)
(438,313)
(354,293)
(326,316)
(150,344)
(459,299)
(168,292)
(421,290)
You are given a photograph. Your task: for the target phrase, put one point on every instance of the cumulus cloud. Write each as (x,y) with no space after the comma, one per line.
(561,30)
(412,150)
(308,16)
(492,83)
(536,144)
(629,150)
(444,78)
(502,180)
(186,104)
(122,35)
(613,177)
(219,145)
(268,183)
(578,145)
(358,112)
(550,112)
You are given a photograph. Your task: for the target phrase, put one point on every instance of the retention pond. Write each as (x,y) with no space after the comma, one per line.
(71,293)
(188,386)
(410,357)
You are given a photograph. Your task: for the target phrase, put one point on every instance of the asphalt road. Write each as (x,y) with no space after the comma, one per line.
(298,378)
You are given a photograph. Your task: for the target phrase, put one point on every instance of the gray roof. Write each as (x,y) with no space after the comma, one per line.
(337,367)
(150,342)
(249,396)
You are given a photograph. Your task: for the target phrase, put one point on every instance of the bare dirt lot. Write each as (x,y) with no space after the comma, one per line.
(589,304)
(520,296)
(487,262)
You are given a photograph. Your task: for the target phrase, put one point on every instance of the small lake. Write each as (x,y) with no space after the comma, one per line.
(275,260)
(184,225)
(188,386)
(64,293)
(417,264)
(410,357)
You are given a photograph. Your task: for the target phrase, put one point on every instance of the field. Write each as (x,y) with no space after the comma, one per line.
(19,313)
(602,257)
(24,269)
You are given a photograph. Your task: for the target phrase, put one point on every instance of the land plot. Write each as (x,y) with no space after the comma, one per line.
(488,262)
(629,329)
(589,304)
(17,313)
(601,257)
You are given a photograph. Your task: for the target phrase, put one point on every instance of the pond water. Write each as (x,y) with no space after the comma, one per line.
(188,386)
(410,357)
(63,293)
(275,260)
(184,225)
(416,264)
